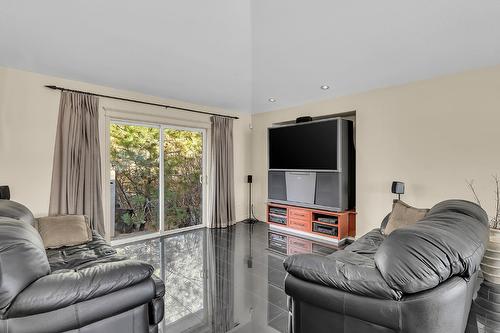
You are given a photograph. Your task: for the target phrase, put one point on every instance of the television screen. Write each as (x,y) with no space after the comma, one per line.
(305,146)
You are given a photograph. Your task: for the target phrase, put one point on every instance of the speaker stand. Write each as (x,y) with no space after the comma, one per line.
(250,219)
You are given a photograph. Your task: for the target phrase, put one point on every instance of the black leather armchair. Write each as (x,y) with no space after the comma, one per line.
(85,288)
(420,278)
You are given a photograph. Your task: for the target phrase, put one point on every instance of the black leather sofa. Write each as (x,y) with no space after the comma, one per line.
(85,288)
(419,278)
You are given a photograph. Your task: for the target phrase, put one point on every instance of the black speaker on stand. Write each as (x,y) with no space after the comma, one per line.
(398,188)
(4,193)
(250,218)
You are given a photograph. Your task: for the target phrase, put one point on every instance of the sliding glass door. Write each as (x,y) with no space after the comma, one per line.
(183,177)
(135,174)
(156,178)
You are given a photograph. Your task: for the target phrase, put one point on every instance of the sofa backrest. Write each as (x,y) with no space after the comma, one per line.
(16,211)
(449,241)
(22,254)
(384,222)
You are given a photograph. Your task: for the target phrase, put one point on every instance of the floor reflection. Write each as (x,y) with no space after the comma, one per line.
(232,280)
(228,280)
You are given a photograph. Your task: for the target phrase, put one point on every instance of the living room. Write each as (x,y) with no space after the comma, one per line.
(154,156)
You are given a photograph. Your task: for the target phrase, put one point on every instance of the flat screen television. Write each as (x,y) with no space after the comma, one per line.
(309,146)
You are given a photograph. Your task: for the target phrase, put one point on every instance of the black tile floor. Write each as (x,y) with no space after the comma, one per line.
(232,280)
(229,280)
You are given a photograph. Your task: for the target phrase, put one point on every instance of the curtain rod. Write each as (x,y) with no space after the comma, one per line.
(140,102)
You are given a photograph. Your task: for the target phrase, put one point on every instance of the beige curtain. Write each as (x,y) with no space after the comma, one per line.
(222,179)
(76,174)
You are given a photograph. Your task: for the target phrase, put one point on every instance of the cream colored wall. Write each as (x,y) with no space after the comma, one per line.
(28,118)
(433,135)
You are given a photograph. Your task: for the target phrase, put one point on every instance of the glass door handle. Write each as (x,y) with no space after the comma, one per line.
(201,179)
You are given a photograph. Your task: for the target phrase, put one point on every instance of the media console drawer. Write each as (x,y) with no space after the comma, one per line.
(300,214)
(299,224)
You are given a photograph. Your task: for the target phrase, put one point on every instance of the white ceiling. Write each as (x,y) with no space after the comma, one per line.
(236,54)
(196,51)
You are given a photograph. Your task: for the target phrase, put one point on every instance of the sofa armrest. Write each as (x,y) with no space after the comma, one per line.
(159,286)
(156,308)
(59,290)
(342,270)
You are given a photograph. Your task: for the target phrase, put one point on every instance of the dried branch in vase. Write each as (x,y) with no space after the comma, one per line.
(495,219)
(470,185)
(497,197)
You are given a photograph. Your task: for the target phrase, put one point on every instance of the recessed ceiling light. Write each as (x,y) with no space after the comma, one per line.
(272,100)
(325,87)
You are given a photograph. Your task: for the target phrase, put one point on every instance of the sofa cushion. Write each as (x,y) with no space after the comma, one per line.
(352,270)
(77,256)
(22,259)
(367,244)
(402,215)
(74,286)
(64,230)
(449,241)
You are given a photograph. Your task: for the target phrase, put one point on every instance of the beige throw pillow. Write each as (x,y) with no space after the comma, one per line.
(64,230)
(402,215)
